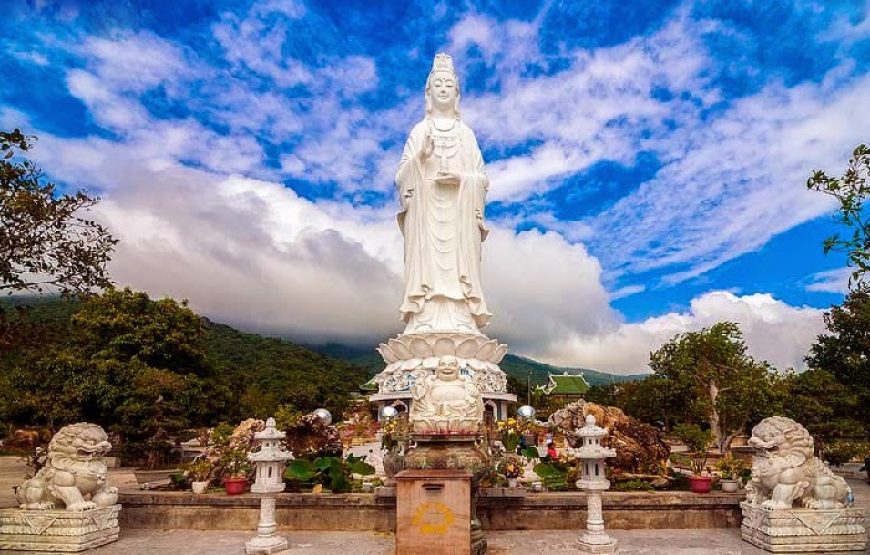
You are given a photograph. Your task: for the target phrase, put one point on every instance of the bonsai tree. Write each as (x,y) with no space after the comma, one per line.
(234,463)
(730,467)
(698,441)
(199,469)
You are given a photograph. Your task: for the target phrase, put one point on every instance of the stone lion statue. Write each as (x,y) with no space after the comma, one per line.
(784,469)
(74,473)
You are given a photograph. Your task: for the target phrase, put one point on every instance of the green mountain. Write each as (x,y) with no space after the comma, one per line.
(519,367)
(269,371)
(260,372)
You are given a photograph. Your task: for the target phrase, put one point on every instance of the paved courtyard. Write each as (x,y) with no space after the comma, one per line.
(518,542)
(720,541)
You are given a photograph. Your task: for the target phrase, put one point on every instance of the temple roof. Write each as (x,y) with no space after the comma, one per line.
(565,384)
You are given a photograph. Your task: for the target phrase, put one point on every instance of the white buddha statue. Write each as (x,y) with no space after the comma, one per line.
(442,186)
(446,402)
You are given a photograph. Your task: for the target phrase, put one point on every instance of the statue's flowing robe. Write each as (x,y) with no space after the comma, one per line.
(416,221)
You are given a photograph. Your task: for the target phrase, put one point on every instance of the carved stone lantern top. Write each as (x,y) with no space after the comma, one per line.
(268,446)
(592,448)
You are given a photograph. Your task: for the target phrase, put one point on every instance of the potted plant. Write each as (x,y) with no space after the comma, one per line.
(698,441)
(731,468)
(236,467)
(160,457)
(510,467)
(510,436)
(199,472)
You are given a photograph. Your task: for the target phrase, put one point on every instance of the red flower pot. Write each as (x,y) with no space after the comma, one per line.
(235,486)
(700,484)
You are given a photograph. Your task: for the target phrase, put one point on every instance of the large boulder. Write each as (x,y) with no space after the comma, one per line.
(639,447)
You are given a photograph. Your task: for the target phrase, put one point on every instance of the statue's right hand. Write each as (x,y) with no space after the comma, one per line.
(428,147)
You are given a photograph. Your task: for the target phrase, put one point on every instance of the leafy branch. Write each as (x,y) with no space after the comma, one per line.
(850,190)
(44,239)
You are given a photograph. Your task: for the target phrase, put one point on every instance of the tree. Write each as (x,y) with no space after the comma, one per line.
(44,241)
(122,324)
(709,373)
(844,351)
(850,190)
(825,407)
(129,363)
(658,401)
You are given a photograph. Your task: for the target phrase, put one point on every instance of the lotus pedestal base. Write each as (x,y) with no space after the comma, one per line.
(58,531)
(409,358)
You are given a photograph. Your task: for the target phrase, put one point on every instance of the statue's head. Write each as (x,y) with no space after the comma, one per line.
(82,441)
(442,86)
(448,368)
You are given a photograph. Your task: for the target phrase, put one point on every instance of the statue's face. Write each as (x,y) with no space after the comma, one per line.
(448,370)
(442,90)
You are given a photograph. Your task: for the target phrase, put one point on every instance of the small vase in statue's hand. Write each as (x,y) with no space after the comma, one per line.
(447,178)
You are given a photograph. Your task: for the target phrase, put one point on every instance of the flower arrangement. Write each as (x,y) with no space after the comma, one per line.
(510,466)
(229,447)
(394,434)
(512,429)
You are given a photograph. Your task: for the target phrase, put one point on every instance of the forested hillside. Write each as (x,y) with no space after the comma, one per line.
(274,371)
(109,358)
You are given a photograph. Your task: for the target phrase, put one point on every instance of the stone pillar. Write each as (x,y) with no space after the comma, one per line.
(595,540)
(266,541)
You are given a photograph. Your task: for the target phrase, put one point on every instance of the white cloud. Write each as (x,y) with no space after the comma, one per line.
(732,173)
(541,288)
(135,62)
(201,216)
(830,281)
(736,182)
(774,331)
(254,254)
(627,291)
(598,108)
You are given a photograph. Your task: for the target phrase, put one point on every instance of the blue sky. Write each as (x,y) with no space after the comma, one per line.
(647,160)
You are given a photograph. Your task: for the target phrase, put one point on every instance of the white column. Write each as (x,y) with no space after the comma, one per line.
(595,540)
(266,541)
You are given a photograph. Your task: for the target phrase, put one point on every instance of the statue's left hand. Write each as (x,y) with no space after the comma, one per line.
(447,178)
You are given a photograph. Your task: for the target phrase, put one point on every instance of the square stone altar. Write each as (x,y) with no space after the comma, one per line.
(804,530)
(58,531)
(433,512)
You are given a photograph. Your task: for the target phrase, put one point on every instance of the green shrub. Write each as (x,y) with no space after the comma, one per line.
(842,451)
(632,485)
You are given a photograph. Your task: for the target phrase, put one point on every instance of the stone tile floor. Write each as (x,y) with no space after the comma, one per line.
(631,542)
(720,541)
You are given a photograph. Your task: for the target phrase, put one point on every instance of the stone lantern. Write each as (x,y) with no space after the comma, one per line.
(593,481)
(269,461)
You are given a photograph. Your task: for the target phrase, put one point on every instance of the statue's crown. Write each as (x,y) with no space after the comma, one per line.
(443,62)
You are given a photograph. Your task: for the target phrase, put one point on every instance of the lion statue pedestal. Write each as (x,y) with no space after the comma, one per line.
(68,505)
(784,474)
